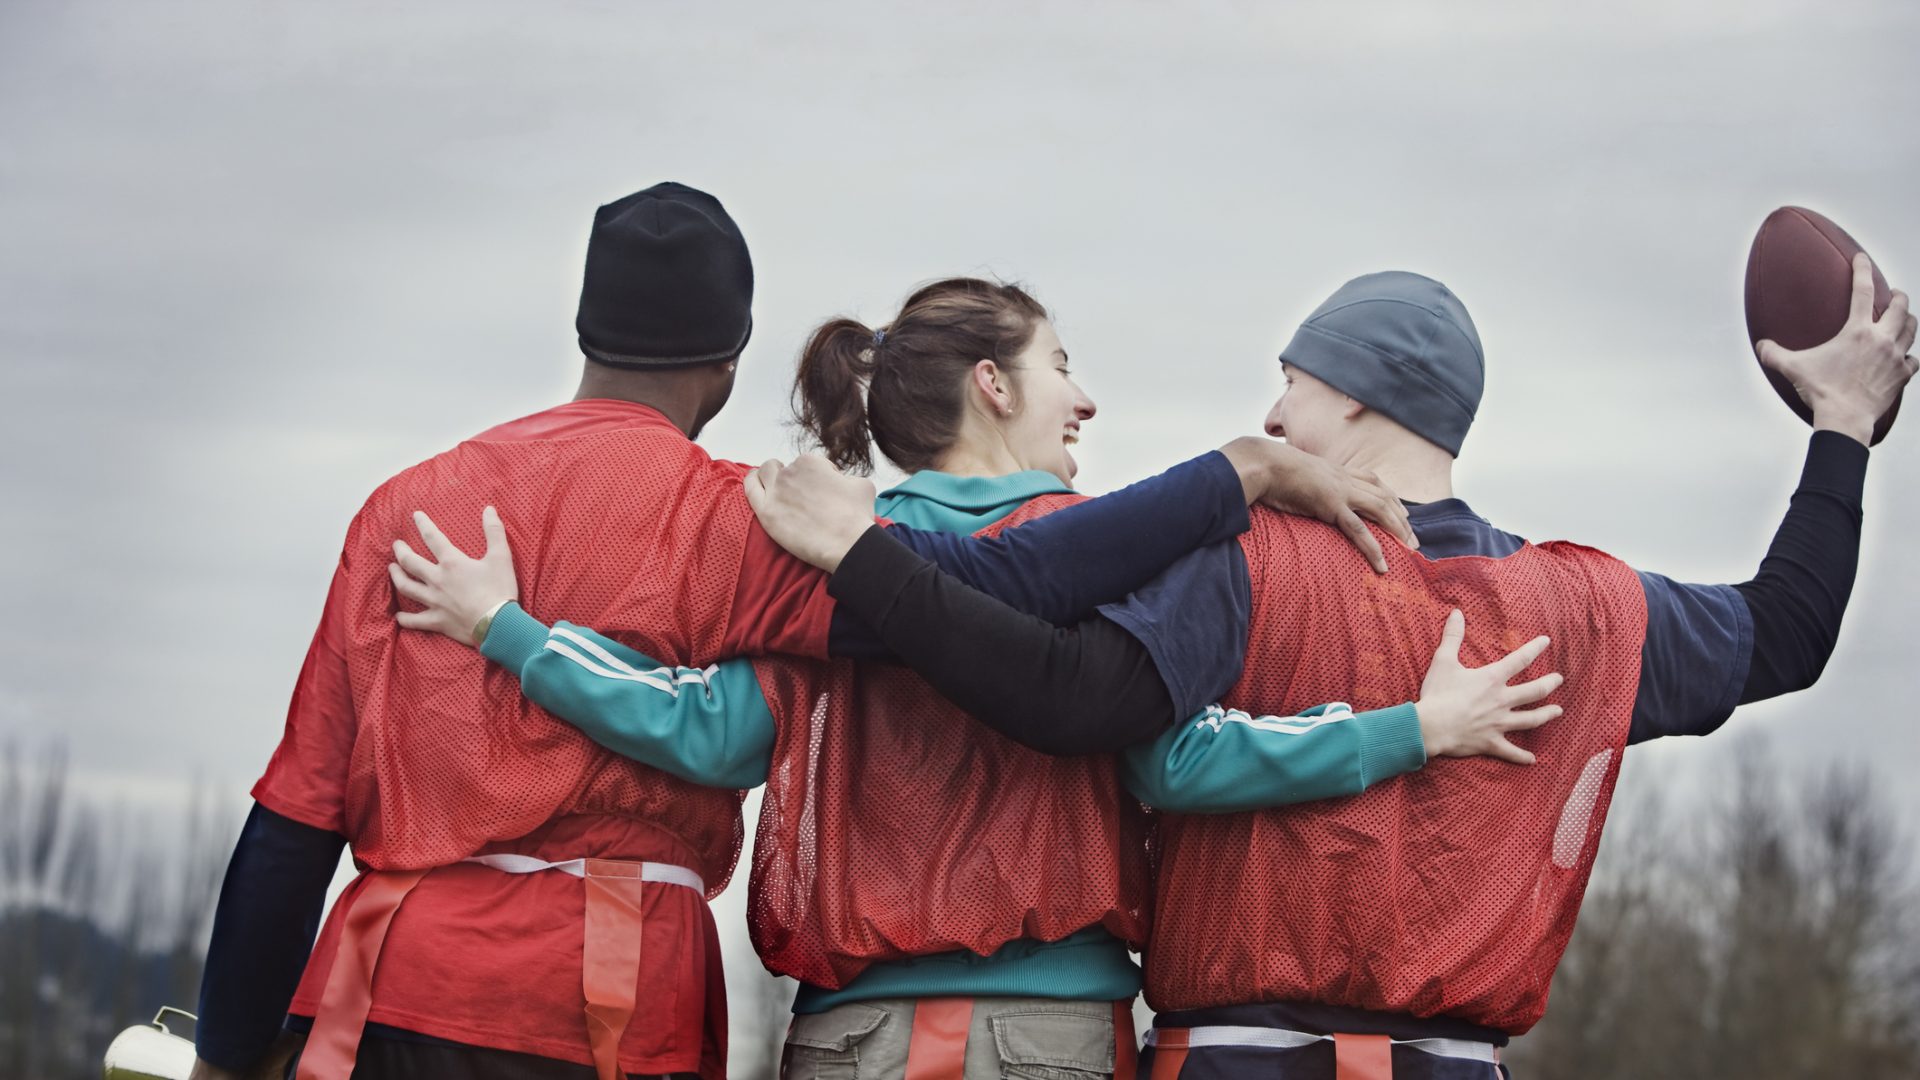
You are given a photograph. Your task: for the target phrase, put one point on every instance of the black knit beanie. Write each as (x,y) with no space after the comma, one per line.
(668,281)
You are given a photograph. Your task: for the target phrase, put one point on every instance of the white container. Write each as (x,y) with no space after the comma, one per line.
(150,1051)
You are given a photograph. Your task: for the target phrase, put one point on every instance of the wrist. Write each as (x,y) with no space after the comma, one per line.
(1252,461)
(514,638)
(485,622)
(1853,424)
(835,551)
(1430,741)
(1391,743)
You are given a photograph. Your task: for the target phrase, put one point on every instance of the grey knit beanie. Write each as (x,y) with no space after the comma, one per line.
(1401,344)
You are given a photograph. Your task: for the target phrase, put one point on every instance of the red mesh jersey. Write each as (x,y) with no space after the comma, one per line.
(634,531)
(421,753)
(1450,890)
(895,825)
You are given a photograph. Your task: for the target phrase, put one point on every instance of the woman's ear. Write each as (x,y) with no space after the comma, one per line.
(1352,410)
(994,386)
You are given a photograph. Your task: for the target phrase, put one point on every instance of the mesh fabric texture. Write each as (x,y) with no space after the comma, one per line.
(635,532)
(1449,890)
(894,825)
(617,520)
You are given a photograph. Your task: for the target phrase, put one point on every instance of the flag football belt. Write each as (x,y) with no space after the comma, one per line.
(1356,1057)
(609,964)
(937,1046)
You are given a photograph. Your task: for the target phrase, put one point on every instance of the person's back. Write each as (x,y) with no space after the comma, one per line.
(894,827)
(636,523)
(523,890)
(1451,890)
(619,504)
(1411,929)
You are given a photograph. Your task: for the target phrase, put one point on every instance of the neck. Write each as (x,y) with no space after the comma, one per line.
(973,455)
(1419,474)
(666,391)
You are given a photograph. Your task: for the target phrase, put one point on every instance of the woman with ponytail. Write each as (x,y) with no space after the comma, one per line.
(953,903)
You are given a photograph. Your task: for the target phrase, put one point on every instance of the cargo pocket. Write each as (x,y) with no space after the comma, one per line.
(1054,1045)
(826,1046)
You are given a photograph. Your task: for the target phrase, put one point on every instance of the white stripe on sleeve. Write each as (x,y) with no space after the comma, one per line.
(665,679)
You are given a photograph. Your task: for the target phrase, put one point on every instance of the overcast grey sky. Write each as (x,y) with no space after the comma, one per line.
(258,256)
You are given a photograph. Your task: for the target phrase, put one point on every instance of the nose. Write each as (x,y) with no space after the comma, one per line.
(1273,425)
(1083,408)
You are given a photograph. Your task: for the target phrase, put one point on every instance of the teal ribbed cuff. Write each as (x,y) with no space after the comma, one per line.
(514,638)
(1390,743)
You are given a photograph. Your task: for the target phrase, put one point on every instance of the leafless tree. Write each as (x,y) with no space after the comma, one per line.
(1773,938)
(101,920)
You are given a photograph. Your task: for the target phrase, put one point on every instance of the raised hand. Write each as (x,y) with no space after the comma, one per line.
(1468,712)
(1293,481)
(1850,380)
(810,508)
(455,591)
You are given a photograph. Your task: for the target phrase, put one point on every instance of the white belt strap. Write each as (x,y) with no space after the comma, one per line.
(663,873)
(1281,1038)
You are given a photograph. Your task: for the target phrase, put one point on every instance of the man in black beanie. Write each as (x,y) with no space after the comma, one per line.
(511,868)
(667,305)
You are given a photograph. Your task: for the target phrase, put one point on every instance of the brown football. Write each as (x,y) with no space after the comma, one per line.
(1799,287)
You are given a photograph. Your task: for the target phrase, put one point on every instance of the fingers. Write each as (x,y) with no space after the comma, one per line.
(759,484)
(1905,337)
(1396,520)
(1862,304)
(756,491)
(1362,538)
(1528,719)
(769,474)
(1385,512)
(416,620)
(1529,692)
(1451,636)
(1895,317)
(408,587)
(1506,751)
(1516,661)
(436,541)
(414,564)
(495,532)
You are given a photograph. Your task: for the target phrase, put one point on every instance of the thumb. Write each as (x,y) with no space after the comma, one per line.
(1773,356)
(1451,637)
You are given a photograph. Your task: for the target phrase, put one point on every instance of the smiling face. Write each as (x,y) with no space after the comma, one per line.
(1043,418)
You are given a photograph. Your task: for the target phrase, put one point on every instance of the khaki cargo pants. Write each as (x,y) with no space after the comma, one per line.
(1017,1038)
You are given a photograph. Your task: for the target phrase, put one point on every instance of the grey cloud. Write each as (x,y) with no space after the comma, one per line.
(260,256)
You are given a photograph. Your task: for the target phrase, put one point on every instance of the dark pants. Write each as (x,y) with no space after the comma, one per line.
(394,1059)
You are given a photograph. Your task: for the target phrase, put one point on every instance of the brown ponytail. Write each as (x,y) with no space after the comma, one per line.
(914,372)
(829,389)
